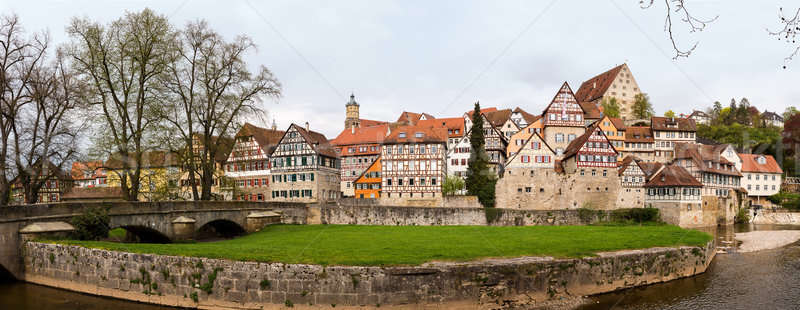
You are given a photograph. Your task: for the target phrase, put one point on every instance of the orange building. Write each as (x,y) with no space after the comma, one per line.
(368,184)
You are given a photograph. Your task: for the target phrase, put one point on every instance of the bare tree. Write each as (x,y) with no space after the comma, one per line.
(19,57)
(45,136)
(678,7)
(119,63)
(791,26)
(214,90)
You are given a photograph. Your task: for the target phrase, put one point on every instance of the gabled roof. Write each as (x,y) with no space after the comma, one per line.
(590,110)
(484,110)
(771,116)
(266,138)
(650,169)
(698,114)
(224,146)
(626,162)
(408,134)
(701,153)
(361,135)
(527,145)
(451,123)
(594,88)
(564,87)
(683,124)
(750,164)
(618,123)
(529,118)
(672,175)
(499,117)
(576,144)
(317,141)
(412,118)
(369,123)
(638,134)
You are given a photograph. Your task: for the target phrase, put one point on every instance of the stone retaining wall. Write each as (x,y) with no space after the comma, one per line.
(384,215)
(778,218)
(213,283)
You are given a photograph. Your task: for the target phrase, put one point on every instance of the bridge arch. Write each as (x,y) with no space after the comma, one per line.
(219,228)
(146,234)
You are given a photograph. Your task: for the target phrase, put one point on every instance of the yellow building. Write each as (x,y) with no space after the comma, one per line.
(368,184)
(159,175)
(616,83)
(517,140)
(614,128)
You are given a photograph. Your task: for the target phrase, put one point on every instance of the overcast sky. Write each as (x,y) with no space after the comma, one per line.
(440,57)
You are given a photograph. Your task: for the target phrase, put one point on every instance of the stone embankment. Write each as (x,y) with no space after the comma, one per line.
(214,283)
(777,218)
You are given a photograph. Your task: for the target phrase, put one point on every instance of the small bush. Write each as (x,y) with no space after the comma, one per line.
(91,225)
(289,303)
(194,297)
(588,215)
(636,215)
(492,214)
(742,216)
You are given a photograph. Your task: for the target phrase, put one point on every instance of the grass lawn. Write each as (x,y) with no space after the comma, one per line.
(414,245)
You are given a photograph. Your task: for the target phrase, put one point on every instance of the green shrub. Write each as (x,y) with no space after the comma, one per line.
(636,215)
(588,215)
(742,216)
(492,214)
(91,225)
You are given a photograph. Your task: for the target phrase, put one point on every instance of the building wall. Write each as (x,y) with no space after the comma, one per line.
(158,183)
(615,136)
(368,185)
(458,158)
(353,166)
(548,190)
(551,132)
(761,184)
(518,139)
(624,89)
(665,143)
(301,174)
(684,210)
(403,165)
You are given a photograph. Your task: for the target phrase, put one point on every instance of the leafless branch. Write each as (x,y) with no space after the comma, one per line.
(679,9)
(791,26)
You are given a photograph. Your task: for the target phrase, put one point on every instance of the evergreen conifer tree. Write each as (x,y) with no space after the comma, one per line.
(480,180)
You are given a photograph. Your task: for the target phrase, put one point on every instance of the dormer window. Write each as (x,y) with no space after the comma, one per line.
(418,135)
(401,135)
(761,160)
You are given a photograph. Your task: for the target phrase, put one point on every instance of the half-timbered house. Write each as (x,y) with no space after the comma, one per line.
(639,142)
(248,164)
(677,195)
(368,184)
(357,149)
(305,167)
(534,155)
(592,153)
(413,165)
(706,164)
(563,120)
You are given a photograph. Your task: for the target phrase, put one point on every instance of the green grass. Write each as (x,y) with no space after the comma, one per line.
(117,234)
(414,245)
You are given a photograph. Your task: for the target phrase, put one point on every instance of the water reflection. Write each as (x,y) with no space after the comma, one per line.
(759,280)
(25,296)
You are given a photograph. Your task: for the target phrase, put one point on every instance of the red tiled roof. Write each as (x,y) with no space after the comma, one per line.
(484,111)
(594,88)
(361,135)
(701,153)
(412,118)
(627,162)
(451,123)
(619,124)
(750,164)
(673,175)
(408,134)
(683,124)
(529,118)
(638,134)
(369,123)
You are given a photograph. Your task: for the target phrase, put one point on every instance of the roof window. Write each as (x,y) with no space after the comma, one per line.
(401,135)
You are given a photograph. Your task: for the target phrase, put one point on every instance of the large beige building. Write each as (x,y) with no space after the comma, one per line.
(615,83)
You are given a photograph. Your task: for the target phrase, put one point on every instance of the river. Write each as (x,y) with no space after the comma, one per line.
(761,280)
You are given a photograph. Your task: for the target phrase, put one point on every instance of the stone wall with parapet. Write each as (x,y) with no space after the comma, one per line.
(214,283)
(385,215)
(554,191)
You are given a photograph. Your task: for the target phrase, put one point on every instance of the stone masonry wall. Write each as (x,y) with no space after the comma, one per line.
(213,283)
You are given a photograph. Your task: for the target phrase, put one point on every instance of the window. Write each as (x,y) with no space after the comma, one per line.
(401,135)
(559,137)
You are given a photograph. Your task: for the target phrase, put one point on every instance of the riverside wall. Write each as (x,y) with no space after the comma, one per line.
(214,283)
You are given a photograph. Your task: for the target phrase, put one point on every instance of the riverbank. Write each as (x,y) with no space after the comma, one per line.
(216,283)
(767,239)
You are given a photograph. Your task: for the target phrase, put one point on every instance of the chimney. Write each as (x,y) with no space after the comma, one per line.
(594,85)
(307,127)
(352,128)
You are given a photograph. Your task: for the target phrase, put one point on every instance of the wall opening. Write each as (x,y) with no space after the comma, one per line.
(219,229)
(142,234)
(6,276)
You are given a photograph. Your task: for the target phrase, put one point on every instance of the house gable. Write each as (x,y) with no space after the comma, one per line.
(564,109)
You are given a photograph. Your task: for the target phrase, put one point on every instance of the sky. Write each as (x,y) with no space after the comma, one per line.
(440,57)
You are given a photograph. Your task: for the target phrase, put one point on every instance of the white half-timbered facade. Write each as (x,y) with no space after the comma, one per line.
(534,154)
(563,120)
(413,163)
(305,167)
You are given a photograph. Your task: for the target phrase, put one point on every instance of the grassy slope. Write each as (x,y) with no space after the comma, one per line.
(413,245)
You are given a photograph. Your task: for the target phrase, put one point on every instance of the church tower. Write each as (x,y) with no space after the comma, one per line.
(351,118)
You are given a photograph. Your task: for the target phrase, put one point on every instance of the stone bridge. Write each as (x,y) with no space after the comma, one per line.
(158,222)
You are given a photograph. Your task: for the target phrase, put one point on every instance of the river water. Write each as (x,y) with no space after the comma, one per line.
(760,280)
